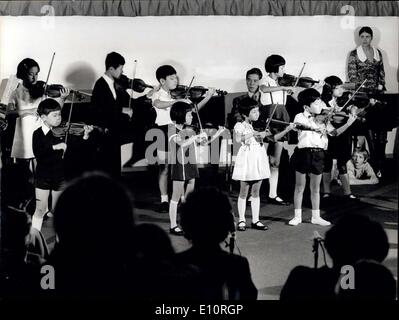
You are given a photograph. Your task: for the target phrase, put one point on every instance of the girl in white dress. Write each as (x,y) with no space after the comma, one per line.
(251,164)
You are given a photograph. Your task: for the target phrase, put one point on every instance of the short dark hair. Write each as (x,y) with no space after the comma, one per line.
(273,62)
(246,105)
(367,30)
(48,105)
(114,60)
(179,110)
(207,204)
(330,83)
(369,241)
(254,71)
(164,71)
(24,66)
(308,96)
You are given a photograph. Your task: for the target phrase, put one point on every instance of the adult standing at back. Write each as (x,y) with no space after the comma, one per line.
(366,63)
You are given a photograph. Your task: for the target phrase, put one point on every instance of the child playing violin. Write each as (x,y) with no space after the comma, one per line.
(49,151)
(274,96)
(309,155)
(162,101)
(183,163)
(338,147)
(252,164)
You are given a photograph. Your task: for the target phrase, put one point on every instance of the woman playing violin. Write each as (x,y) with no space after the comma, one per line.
(339,147)
(24,101)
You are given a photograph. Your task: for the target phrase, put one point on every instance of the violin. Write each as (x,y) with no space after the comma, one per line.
(194,92)
(288,80)
(138,85)
(75,129)
(52,90)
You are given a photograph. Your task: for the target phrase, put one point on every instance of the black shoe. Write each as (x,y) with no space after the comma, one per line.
(241,226)
(164,207)
(176,231)
(259,226)
(278,201)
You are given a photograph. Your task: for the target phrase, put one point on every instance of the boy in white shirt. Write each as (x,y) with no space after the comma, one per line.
(308,157)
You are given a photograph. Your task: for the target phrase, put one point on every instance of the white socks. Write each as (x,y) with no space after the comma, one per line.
(173,213)
(297,218)
(241,204)
(37,222)
(164,198)
(273,180)
(255,206)
(316,219)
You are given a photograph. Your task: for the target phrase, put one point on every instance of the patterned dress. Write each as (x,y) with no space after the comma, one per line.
(360,68)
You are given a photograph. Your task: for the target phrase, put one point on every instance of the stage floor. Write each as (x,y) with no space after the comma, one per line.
(273,253)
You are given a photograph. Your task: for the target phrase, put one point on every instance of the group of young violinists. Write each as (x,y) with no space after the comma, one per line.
(318,141)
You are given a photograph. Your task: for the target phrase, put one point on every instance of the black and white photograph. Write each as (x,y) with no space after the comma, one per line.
(194,156)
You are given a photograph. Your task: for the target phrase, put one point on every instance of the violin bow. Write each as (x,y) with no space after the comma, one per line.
(48,75)
(352,96)
(69,121)
(273,111)
(299,75)
(131,87)
(189,87)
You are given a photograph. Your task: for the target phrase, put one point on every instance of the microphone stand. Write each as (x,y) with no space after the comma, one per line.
(316,251)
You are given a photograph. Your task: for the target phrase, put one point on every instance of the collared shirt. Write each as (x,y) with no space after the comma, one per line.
(110,83)
(45,129)
(278,96)
(311,139)
(163,115)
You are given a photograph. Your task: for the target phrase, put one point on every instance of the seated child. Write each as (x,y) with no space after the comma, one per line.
(359,170)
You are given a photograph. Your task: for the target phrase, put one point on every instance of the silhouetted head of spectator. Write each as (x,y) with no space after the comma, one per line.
(355,237)
(207,217)
(152,243)
(93,217)
(372,281)
(16,229)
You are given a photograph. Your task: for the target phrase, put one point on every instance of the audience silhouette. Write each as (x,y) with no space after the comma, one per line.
(206,220)
(353,238)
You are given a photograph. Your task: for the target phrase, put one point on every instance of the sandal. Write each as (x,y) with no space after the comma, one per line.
(241,226)
(258,226)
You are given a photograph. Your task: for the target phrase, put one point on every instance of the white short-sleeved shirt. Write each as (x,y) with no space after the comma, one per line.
(163,115)
(312,139)
(278,96)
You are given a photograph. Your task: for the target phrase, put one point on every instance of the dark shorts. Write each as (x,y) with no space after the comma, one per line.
(309,160)
(55,184)
(339,148)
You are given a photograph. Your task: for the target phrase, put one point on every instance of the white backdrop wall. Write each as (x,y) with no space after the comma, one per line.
(216,49)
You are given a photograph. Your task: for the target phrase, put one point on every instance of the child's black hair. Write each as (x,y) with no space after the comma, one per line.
(246,105)
(24,66)
(47,106)
(308,96)
(254,71)
(179,110)
(164,71)
(330,83)
(114,60)
(273,62)
(367,30)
